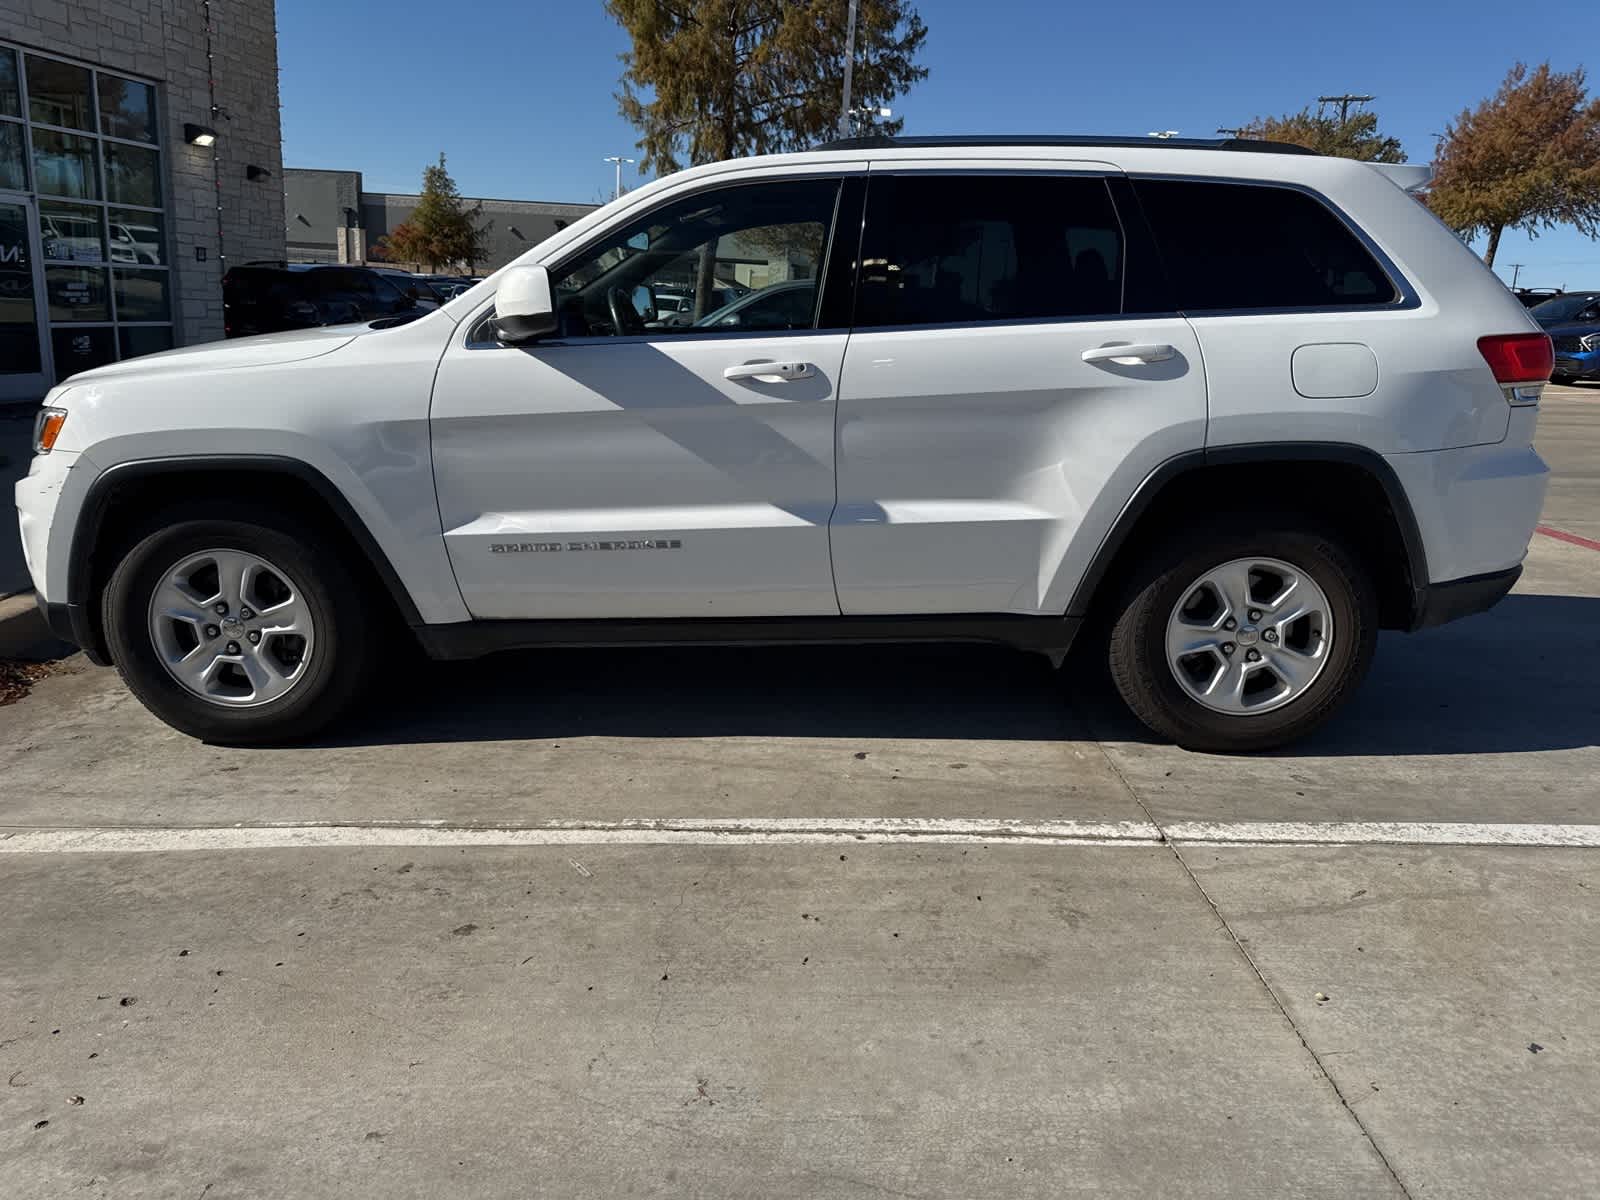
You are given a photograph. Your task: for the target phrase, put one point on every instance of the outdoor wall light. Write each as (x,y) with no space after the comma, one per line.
(199,135)
(255,174)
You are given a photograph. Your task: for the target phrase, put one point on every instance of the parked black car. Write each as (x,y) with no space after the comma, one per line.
(268,297)
(1532,296)
(419,287)
(1573,323)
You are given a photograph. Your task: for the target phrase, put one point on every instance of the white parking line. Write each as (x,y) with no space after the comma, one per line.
(791,831)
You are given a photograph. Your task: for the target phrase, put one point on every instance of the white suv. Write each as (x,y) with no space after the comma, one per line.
(1226,407)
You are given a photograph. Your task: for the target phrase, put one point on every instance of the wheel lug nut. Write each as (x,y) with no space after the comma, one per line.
(1230,624)
(1252,656)
(1255,614)
(255,636)
(1228,647)
(245,614)
(1270,636)
(212,631)
(233,647)
(221,610)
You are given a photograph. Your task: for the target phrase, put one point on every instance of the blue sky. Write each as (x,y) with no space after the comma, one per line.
(520,96)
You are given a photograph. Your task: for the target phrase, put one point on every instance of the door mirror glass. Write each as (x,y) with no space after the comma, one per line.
(523,311)
(644,302)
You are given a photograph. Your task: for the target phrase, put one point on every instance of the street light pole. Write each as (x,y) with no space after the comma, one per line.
(849,69)
(619,160)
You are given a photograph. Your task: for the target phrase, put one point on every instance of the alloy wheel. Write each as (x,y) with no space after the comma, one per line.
(232,628)
(1249,636)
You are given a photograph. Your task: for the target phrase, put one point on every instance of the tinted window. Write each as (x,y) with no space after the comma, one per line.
(997,248)
(1229,246)
(691,257)
(127,109)
(784,306)
(10,93)
(58,93)
(1564,308)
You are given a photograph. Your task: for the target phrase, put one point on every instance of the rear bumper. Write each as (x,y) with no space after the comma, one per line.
(1457,598)
(1475,506)
(1577,364)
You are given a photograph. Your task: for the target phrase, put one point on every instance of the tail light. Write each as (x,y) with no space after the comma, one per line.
(1518,357)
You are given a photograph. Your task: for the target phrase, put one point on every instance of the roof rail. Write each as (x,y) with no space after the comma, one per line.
(950,141)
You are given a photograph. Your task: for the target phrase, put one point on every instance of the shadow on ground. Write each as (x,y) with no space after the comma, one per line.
(1523,677)
(1520,678)
(973,692)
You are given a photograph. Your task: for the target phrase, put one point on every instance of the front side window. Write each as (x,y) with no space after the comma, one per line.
(988,248)
(1249,246)
(685,266)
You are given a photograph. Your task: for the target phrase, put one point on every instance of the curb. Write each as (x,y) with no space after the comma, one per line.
(23,633)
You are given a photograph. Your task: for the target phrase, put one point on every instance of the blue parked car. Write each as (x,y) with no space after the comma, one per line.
(1573,323)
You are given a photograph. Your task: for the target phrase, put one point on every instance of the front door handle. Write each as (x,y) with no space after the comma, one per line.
(767,371)
(1127,356)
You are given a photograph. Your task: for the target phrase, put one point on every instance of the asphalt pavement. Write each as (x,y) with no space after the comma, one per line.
(829,922)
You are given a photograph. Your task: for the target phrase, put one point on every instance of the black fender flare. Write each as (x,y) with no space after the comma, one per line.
(1191,461)
(96,503)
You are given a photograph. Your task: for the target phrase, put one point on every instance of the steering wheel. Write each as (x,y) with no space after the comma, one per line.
(625,319)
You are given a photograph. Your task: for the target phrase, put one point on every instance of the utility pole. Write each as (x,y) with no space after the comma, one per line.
(619,160)
(849,69)
(1344,102)
(1516,270)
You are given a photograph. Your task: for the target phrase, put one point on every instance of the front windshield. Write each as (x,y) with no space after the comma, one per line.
(1562,308)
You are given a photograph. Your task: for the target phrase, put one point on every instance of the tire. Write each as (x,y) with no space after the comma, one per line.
(1561,380)
(1171,587)
(335,655)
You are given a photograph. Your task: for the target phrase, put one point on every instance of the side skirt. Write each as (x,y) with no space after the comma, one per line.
(473,639)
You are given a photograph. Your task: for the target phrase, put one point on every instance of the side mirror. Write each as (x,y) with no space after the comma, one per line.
(644,302)
(523,308)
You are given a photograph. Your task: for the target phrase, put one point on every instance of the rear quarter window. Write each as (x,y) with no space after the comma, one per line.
(1252,246)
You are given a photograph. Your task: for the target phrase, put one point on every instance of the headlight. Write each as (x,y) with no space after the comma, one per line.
(1590,342)
(46,428)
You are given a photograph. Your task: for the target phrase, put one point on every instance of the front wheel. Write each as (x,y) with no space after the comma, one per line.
(241,630)
(1234,642)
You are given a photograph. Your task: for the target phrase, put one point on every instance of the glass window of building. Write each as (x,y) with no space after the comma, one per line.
(80,150)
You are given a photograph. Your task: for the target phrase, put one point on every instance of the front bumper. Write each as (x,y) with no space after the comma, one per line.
(67,622)
(1577,364)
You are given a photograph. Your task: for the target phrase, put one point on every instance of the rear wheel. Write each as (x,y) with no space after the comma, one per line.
(1243,641)
(240,630)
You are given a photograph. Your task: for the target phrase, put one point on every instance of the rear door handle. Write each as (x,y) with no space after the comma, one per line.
(1127,356)
(767,371)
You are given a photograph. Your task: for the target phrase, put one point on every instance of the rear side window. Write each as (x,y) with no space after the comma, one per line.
(1245,246)
(971,248)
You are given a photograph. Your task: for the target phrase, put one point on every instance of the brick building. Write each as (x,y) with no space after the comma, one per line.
(139,155)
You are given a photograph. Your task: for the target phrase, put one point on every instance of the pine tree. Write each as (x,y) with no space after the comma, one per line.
(1528,159)
(443,230)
